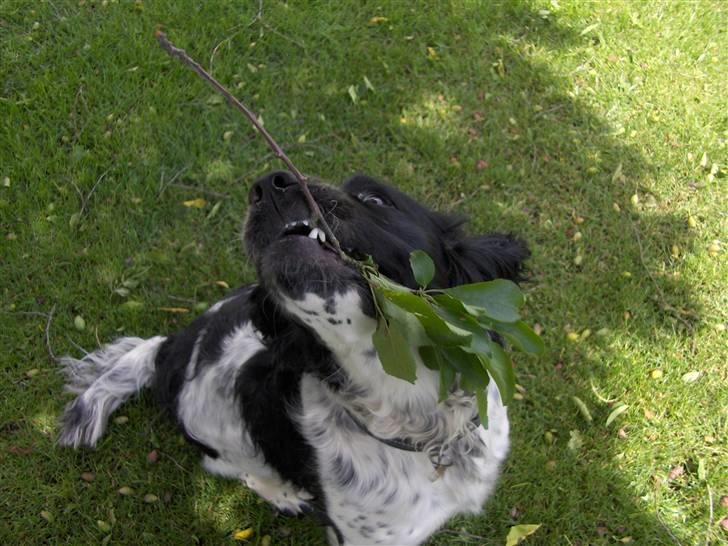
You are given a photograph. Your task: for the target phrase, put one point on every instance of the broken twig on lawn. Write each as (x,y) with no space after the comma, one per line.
(318,217)
(48,334)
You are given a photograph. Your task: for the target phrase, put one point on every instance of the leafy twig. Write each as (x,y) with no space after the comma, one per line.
(318,217)
(447,328)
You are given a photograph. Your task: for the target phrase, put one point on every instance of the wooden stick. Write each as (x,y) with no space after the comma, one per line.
(318,218)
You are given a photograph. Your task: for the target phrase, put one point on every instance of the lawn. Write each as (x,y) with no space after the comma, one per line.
(596,131)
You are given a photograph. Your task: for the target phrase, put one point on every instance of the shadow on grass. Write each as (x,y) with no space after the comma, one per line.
(527,154)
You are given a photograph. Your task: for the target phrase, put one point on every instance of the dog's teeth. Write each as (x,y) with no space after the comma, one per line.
(315,233)
(305,223)
(321,236)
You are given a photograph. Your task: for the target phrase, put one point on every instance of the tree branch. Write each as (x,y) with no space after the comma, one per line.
(317,216)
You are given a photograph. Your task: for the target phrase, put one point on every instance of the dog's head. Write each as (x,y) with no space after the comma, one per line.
(369,219)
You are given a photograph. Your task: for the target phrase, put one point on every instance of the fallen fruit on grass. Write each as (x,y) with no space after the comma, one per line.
(656,374)
(690,377)
(149,498)
(88,477)
(79,323)
(46,515)
(152,456)
(103,525)
(125,491)
(121,420)
(243,534)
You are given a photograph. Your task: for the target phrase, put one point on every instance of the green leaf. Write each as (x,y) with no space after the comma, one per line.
(519,334)
(412,328)
(454,312)
(480,396)
(434,359)
(423,267)
(394,351)
(447,378)
(493,358)
(430,358)
(499,299)
(500,368)
(519,533)
(439,330)
(468,366)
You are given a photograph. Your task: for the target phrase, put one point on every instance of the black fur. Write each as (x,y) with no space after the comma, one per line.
(268,386)
(369,219)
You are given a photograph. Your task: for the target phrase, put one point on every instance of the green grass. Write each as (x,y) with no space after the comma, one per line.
(571,108)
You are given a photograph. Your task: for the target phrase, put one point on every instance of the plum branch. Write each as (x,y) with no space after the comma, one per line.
(318,217)
(448,329)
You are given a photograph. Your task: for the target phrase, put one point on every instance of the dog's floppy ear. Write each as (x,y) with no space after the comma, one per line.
(487,257)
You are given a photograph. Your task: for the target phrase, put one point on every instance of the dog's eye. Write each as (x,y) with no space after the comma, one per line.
(373,199)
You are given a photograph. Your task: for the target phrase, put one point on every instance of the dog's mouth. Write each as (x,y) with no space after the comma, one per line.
(302,228)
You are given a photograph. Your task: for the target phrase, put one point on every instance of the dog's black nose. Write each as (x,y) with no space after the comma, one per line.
(268,186)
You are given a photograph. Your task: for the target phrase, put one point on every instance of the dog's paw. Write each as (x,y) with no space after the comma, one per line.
(284,496)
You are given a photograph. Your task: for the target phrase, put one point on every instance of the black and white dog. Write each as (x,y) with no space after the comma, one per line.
(279,385)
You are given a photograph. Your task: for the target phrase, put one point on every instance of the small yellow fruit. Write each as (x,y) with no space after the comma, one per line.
(692,222)
(635,200)
(572,336)
(656,374)
(243,534)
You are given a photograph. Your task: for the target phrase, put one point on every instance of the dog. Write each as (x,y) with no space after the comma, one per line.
(279,385)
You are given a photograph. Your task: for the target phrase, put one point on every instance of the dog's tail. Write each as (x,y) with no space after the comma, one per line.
(104,380)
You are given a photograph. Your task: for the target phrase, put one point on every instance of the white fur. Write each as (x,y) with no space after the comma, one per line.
(394,496)
(210,413)
(374,492)
(104,380)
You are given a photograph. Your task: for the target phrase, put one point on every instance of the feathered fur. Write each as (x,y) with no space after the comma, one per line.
(280,386)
